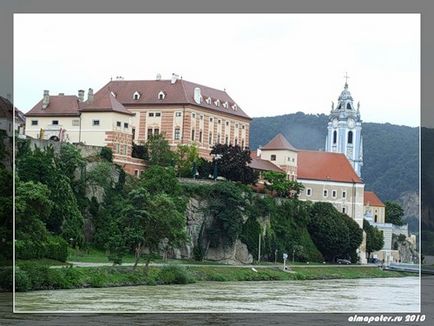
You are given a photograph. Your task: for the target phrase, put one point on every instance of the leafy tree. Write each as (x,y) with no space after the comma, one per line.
(158,179)
(355,237)
(69,160)
(394,213)
(328,230)
(32,210)
(159,151)
(140,151)
(374,238)
(6,210)
(187,160)
(281,186)
(226,206)
(233,163)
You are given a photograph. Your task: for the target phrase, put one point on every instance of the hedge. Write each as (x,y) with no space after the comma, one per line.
(54,248)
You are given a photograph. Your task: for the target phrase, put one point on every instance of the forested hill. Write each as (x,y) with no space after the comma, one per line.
(391,152)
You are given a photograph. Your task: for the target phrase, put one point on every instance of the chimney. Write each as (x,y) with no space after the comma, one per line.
(90,95)
(158,77)
(45,99)
(258,152)
(81,95)
(175,77)
(197,96)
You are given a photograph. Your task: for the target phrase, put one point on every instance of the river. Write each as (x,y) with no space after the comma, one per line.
(358,295)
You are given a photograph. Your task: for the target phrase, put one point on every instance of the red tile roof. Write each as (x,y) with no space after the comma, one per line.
(59,105)
(371,199)
(264,165)
(279,142)
(104,101)
(325,166)
(180,92)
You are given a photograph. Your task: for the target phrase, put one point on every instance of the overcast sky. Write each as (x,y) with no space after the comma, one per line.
(270,64)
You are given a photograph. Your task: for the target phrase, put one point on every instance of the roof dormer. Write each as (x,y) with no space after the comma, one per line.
(161,95)
(136,95)
(217,102)
(225,105)
(208,100)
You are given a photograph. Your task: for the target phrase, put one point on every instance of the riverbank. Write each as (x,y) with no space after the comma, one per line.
(30,277)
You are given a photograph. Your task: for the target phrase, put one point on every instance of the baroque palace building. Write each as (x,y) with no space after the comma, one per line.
(127,111)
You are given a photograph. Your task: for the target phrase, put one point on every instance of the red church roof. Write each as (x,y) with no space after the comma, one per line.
(371,199)
(59,105)
(279,142)
(325,166)
(104,101)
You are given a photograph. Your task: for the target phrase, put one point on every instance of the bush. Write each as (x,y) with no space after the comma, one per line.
(27,249)
(22,281)
(173,274)
(6,278)
(107,154)
(57,249)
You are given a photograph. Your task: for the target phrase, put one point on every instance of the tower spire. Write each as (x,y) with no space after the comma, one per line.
(346,80)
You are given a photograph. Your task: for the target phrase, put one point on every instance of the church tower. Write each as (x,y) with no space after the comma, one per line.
(345,130)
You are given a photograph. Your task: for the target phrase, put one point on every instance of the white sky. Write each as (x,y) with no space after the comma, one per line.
(270,64)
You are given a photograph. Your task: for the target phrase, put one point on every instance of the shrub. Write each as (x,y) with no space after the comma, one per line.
(22,281)
(57,248)
(27,249)
(6,278)
(107,154)
(173,274)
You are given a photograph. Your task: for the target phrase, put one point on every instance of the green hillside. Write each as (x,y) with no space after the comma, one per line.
(391,159)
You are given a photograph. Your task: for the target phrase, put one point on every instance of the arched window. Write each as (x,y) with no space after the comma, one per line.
(350,137)
(136,95)
(161,95)
(348,106)
(335,136)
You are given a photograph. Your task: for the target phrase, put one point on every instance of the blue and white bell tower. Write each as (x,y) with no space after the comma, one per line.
(345,129)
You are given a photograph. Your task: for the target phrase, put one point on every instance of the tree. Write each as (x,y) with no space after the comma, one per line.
(6,213)
(394,213)
(233,163)
(107,154)
(281,186)
(374,238)
(159,152)
(69,160)
(328,230)
(187,160)
(355,237)
(158,179)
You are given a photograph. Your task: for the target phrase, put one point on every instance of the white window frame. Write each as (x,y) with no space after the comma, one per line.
(136,95)
(344,194)
(175,134)
(325,193)
(308,192)
(178,114)
(34,122)
(334,193)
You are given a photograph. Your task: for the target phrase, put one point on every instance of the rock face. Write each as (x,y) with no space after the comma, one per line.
(197,224)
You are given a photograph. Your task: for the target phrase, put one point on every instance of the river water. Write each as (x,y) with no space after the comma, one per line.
(359,295)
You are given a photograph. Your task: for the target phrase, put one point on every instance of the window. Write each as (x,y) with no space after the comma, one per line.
(95,122)
(226,140)
(210,138)
(161,95)
(76,122)
(348,106)
(219,121)
(125,149)
(136,173)
(350,137)
(343,210)
(178,114)
(210,120)
(308,192)
(118,124)
(157,114)
(375,218)
(156,131)
(117,148)
(177,134)
(227,123)
(149,133)
(55,122)
(200,136)
(218,138)
(34,122)
(344,194)
(201,117)
(151,114)
(192,134)
(126,125)
(242,127)
(242,144)
(273,157)
(335,135)
(334,193)
(193,115)
(325,193)
(236,142)
(136,95)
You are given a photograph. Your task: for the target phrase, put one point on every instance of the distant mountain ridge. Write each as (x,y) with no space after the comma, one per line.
(390,152)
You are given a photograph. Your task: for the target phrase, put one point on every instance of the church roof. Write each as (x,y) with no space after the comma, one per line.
(371,199)
(279,142)
(325,166)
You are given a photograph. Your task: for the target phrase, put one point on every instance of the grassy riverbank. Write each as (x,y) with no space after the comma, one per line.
(41,277)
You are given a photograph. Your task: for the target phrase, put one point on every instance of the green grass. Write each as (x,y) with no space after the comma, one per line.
(93,256)
(42,261)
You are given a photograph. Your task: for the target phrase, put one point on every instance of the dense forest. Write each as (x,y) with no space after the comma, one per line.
(391,152)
